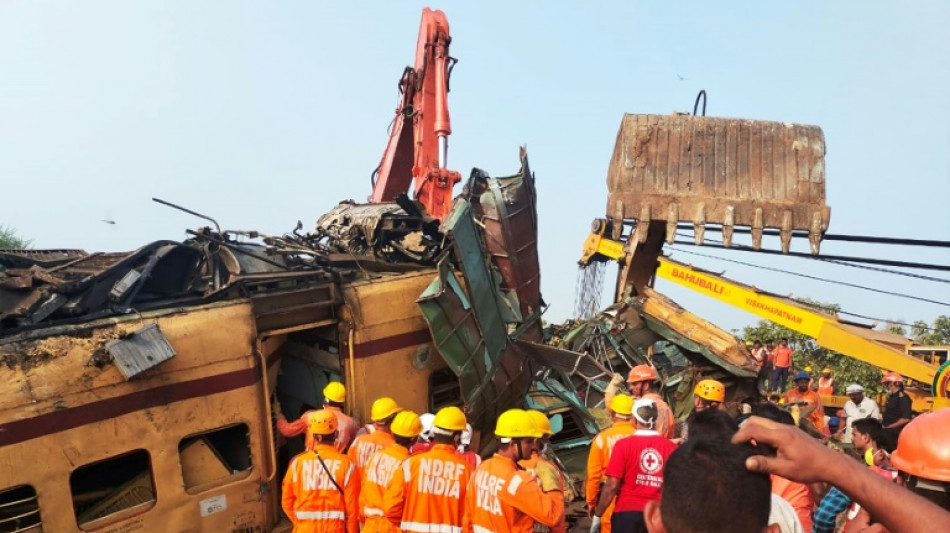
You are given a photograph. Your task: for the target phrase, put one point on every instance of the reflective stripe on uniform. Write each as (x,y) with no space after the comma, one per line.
(320,515)
(372,511)
(421,527)
(346,478)
(480,529)
(513,485)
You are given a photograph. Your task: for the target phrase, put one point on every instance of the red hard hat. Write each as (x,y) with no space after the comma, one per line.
(923,448)
(642,373)
(892,377)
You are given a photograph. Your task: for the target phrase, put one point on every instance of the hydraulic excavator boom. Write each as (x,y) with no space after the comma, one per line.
(418,143)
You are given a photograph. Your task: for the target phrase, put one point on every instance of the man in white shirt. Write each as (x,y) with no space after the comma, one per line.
(857,407)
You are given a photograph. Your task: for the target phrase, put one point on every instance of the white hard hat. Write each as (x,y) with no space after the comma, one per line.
(644,402)
(854,388)
(467,435)
(427,421)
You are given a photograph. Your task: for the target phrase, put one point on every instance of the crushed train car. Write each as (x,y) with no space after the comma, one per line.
(141,385)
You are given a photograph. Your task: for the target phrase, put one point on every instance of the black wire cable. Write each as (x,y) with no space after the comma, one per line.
(833,236)
(869,260)
(816,278)
(848,264)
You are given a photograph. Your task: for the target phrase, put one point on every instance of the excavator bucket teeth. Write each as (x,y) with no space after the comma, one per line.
(728,172)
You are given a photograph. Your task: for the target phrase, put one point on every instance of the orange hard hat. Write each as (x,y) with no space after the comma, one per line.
(923,448)
(642,373)
(322,422)
(892,377)
(711,390)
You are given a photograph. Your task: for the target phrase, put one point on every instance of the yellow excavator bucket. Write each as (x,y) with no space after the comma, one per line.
(723,171)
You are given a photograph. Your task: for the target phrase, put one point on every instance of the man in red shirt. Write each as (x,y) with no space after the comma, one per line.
(635,471)
(781,362)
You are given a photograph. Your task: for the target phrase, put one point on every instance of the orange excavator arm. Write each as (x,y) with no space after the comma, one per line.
(418,143)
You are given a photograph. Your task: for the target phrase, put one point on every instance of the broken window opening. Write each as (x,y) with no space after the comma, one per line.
(114,489)
(571,429)
(215,457)
(19,510)
(444,390)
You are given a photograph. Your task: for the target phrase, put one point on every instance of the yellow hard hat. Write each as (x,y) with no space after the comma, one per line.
(540,421)
(335,392)
(711,390)
(383,408)
(808,369)
(826,370)
(406,424)
(450,418)
(322,422)
(514,424)
(621,404)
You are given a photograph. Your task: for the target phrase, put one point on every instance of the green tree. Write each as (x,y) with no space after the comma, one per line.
(939,333)
(9,240)
(807,352)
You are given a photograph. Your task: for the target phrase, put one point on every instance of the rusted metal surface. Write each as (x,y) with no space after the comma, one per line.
(469,329)
(731,172)
(42,258)
(507,210)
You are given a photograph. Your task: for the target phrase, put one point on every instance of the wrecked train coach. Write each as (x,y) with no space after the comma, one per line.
(140,386)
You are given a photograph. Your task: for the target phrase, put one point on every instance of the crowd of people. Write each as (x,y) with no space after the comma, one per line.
(714,475)
(406,472)
(645,473)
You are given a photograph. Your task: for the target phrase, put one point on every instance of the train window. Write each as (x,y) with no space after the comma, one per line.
(19,510)
(112,490)
(215,457)
(444,389)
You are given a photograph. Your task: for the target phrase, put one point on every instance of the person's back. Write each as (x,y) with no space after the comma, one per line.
(319,491)
(366,445)
(376,477)
(601,448)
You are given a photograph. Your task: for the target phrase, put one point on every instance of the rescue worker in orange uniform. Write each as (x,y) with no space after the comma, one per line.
(808,401)
(379,470)
(428,492)
(382,413)
(334,395)
(501,496)
(548,475)
(320,488)
(826,383)
(621,407)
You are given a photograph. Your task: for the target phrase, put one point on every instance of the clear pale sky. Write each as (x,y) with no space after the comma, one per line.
(263,113)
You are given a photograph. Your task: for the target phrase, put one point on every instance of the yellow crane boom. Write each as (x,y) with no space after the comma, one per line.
(867,345)
(881,349)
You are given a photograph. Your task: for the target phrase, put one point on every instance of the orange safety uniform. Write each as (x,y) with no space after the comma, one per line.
(811,399)
(550,479)
(366,445)
(600,450)
(377,474)
(501,499)
(346,427)
(782,356)
(799,496)
(826,387)
(428,492)
(312,501)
